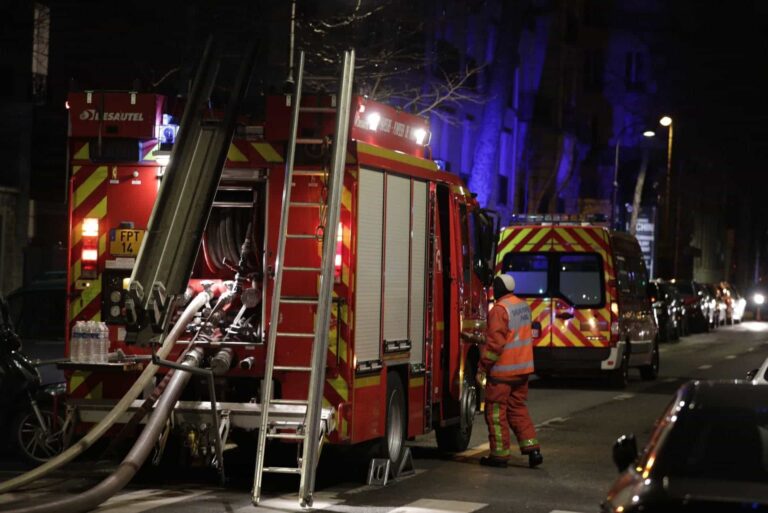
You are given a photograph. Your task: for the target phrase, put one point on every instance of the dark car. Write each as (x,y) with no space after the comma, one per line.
(697,305)
(666,309)
(707,453)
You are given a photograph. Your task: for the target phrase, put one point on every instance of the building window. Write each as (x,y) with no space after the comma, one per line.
(40,47)
(503,190)
(634,72)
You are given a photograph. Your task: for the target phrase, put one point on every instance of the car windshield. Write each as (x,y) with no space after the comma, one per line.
(724,443)
(685,288)
(575,277)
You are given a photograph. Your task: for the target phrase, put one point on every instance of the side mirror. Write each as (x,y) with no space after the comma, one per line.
(624,452)
(751,374)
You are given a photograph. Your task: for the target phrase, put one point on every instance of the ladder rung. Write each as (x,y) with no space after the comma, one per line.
(286,436)
(299,300)
(286,424)
(309,141)
(282,470)
(317,109)
(313,269)
(307,203)
(309,172)
(296,335)
(301,236)
(292,368)
(288,401)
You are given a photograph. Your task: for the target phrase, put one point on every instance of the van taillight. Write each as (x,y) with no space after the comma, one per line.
(90,254)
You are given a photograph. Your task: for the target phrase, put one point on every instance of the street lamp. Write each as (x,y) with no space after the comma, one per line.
(666,121)
(647,133)
(759,300)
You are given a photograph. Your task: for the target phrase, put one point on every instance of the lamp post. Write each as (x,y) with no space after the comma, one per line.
(647,133)
(666,121)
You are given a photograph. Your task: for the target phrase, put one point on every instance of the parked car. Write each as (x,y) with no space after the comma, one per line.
(697,305)
(707,453)
(665,310)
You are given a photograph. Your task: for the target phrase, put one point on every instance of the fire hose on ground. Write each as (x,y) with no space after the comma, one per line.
(177,382)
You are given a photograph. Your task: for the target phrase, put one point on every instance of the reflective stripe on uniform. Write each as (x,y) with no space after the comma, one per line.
(491,356)
(517,343)
(513,366)
(528,443)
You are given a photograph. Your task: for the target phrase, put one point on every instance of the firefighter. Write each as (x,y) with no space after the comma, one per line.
(506,363)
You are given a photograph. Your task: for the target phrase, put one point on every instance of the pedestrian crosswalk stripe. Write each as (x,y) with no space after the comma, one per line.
(439,506)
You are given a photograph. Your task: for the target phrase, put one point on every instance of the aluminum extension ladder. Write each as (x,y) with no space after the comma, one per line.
(309,431)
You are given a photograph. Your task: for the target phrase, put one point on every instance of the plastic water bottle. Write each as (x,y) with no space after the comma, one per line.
(76,342)
(103,342)
(91,342)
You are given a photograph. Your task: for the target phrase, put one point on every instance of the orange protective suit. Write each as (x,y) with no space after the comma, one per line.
(507,360)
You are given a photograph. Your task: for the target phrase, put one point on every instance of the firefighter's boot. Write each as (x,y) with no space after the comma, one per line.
(490,461)
(535,458)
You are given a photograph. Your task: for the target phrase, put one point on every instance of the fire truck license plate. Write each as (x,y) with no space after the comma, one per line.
(124,242)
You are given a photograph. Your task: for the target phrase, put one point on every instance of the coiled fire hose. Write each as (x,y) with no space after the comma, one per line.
(199,301)
(117,480)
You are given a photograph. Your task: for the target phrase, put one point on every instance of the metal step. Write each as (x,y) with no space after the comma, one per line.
(315,204)
(303,269)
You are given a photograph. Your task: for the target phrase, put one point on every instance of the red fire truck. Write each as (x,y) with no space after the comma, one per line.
(414,254)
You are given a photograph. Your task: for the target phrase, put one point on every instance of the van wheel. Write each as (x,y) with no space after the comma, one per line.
(455,438)
(392,446)
(651,371)
(619,377)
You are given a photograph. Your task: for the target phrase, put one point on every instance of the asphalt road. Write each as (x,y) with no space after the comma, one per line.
(577,420)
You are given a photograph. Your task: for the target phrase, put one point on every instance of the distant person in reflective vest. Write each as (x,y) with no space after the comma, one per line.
(506,362)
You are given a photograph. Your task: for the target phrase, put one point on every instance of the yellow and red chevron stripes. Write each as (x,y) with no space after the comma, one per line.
(88,200)
(589,327)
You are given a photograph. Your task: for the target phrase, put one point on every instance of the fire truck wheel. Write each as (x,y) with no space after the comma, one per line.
(393,444)
(455,438)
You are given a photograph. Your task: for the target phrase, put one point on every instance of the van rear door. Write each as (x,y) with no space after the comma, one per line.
(523,252)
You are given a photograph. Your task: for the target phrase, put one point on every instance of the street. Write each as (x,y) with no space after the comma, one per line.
(577,421)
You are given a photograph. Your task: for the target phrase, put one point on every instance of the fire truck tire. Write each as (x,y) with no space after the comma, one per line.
(392,446)
(455,438)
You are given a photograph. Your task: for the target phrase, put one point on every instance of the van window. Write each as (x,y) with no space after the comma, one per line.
(530,271)
(581,279)
(576,277)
